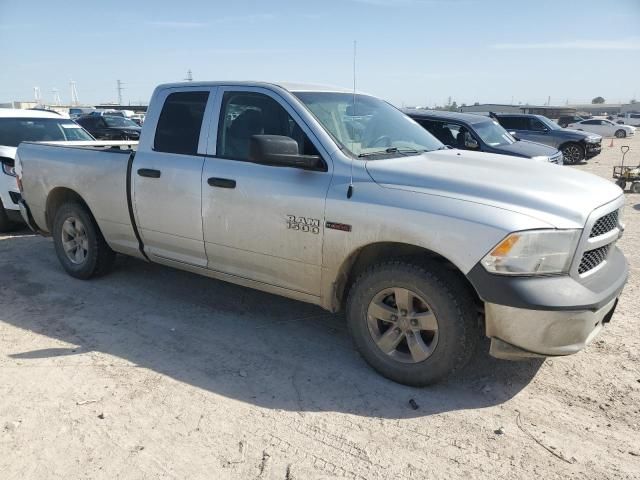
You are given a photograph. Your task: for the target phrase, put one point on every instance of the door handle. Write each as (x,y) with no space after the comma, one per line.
(221,182)
(149,172)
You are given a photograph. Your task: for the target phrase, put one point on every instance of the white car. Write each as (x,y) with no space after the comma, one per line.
(27,125)
(632,119)
(606,128)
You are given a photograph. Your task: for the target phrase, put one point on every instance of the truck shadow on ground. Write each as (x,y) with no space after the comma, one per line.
(247,345)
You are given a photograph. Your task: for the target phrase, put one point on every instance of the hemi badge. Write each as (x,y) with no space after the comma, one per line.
(338,226)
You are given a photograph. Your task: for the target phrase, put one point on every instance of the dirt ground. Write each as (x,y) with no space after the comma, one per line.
(154,373)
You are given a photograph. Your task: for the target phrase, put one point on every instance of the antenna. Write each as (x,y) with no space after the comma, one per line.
(350,189)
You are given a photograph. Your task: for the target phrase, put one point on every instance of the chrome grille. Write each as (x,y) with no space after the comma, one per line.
(604,224)
(592,258)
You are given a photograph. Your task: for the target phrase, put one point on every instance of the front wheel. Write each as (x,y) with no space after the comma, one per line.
(413,324)
(621,183)
(620,133)
(635,187)
(572,153)
(80,246)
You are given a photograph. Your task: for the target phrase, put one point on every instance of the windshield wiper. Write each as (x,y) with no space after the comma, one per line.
(403,151)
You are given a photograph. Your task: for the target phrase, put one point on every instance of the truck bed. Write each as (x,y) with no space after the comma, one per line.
(97,171)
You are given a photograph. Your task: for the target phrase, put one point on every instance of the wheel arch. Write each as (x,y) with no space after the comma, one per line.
(58,197)
(365,256)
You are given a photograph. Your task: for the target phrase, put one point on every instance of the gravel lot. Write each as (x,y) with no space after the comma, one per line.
(155,373)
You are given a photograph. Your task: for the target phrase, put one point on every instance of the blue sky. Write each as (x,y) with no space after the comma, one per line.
(411,52)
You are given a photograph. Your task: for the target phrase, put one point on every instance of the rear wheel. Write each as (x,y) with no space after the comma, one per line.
(573,153)
(79,244)
(621,133)
(635,187)
(413,324)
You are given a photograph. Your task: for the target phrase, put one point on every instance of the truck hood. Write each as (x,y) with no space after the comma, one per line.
(524,148)
(559,196)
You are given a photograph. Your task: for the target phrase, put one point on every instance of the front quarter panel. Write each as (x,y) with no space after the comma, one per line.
(461,231)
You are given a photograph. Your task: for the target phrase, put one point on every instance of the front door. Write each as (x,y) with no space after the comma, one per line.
(263,222)
(167,175)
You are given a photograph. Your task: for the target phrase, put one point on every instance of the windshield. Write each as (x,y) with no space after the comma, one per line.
(549,123)
(371,127)
(493,134)
(120,122)
(16,130)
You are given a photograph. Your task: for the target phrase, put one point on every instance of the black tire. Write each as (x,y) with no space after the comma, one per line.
(620,133)
(635,187)
(5,223)
(99,257)
(447,298)
(573,153)
(621,183)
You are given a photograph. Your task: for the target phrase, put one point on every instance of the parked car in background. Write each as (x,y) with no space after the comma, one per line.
(339,199)
(138,118)
(114,113)
(106,127)
(574,145)
(75,112)
(565,120)
(606,128)
(632,119)
(467,131)
(27,125)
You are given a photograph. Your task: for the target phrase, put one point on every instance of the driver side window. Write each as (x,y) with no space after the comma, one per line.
(244,114)
(537,125)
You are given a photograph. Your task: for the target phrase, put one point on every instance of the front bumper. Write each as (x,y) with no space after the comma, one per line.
(547,316)
(592,149)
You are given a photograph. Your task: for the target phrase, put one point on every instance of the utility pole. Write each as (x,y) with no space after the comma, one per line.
(56,97)
(74,93)
(120,88)
(549,100)
(189,77)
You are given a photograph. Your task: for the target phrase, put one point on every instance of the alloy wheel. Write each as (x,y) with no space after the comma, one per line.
(402,325)
(75,240)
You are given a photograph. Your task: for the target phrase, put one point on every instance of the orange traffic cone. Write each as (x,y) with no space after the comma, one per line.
(611,144)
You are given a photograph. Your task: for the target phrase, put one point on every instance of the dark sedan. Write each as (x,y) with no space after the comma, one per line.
(110,128)
(476,132)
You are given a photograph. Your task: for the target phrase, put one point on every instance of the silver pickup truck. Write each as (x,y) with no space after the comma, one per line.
(340,200)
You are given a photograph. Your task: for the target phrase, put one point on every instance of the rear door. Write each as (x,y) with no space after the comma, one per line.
(263,222)
(167,173)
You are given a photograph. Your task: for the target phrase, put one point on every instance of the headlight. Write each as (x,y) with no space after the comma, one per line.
(8,169)
(533,252)
(541,158)
(593,139)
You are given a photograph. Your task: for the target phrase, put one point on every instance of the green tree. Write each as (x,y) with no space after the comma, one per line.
(597,100)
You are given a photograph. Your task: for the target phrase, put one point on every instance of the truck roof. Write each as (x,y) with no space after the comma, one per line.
(290,86)
(21,113)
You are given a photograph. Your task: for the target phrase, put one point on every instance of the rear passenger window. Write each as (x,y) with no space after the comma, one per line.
(178,129)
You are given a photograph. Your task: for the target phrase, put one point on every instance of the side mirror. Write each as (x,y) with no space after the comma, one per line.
(280,151)
(470,142)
